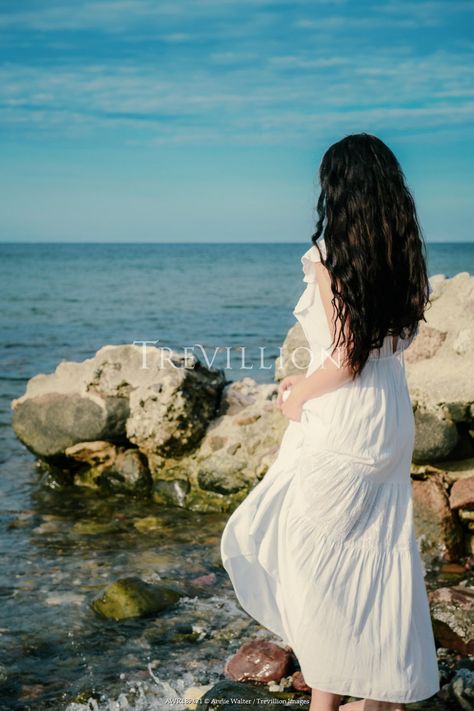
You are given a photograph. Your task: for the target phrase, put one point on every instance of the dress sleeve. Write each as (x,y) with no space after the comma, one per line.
(309,259)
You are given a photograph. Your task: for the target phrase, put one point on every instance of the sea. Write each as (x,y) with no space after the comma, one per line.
(231,306)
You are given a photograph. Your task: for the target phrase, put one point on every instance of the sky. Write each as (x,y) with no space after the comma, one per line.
(206,120)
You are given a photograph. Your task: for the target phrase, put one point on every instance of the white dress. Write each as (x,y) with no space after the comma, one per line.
(322,551)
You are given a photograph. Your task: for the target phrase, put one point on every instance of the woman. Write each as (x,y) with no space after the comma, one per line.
(323,550)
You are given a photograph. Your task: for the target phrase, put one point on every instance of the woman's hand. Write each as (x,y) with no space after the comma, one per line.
(290,406)
(285,384)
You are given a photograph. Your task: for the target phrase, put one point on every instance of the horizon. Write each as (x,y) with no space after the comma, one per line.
(175,244)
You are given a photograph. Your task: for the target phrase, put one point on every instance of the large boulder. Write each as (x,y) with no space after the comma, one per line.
(160,401)
(439,372)
(152,423)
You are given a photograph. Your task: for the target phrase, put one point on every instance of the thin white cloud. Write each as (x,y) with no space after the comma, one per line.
(113,15)
(204,108)
(348,22)
(108,89)
(298,62)
(422,9)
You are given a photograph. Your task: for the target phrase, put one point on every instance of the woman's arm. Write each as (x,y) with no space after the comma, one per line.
(332,373)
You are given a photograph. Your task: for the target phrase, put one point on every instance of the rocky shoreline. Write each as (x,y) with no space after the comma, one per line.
(178,434)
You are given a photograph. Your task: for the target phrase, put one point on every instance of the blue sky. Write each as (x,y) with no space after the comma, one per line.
(206,120)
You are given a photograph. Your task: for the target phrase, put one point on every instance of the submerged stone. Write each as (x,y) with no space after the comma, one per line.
(132,597)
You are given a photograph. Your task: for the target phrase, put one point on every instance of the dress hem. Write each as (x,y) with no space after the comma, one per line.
(370,694)
(342,690)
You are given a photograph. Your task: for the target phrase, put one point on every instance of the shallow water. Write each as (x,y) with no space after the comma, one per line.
(67,545)
(59,547)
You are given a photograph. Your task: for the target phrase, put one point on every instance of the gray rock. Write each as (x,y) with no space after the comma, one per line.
(169,414)
(223,473)
(436,436)
(164,407)
(49,423)
(128,474)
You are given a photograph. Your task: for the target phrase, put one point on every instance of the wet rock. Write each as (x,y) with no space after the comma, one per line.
(132,597)
(209,579)
(110,468)
(90,527)
(207,502)
(235,696)
(31,692)
(128,474)
(460,689)
(452,614)
(259,660)
(149,524)
(170,492)
(440,534)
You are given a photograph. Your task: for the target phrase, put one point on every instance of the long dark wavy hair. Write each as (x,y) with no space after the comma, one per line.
(376,255)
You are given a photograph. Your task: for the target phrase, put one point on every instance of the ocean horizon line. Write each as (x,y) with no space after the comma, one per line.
(174,243)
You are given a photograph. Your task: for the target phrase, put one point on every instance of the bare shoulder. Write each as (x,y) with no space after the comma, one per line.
(322,272)
(325,289)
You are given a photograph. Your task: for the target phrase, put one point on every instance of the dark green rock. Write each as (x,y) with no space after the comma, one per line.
(132,597)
